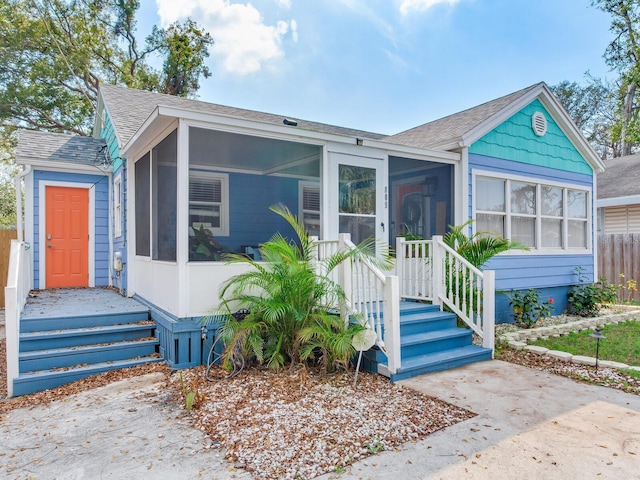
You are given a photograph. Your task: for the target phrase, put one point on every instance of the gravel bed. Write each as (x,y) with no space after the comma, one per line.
(606,377)
(301,425)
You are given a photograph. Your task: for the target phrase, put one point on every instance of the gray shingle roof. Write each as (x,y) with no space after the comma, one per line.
(454,127)
(129,108)
(57,147)
(621,177)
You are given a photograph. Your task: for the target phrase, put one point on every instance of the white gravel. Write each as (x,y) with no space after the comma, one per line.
(300,425)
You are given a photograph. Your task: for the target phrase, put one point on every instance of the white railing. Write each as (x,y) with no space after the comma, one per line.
(15,295)
(370,294)
(431,270)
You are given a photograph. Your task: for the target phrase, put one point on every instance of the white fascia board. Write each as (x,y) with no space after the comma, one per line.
(61,166)
(290,133)
(554,108)
(618,201)
(395,149)
(113,125)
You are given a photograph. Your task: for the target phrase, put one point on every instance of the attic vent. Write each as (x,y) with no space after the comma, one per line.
(539,124)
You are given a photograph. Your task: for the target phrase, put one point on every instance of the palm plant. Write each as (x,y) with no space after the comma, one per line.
(480,247)
(477,249)
(290,298)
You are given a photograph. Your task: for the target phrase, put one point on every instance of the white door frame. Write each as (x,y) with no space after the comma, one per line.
(42,223)
(382,193)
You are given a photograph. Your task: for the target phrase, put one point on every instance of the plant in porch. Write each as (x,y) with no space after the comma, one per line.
(527,309)
(290,299)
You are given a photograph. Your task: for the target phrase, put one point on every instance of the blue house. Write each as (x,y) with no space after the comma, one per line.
(167,185)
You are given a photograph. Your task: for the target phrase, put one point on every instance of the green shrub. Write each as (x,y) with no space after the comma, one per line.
(586,299)
(527,309)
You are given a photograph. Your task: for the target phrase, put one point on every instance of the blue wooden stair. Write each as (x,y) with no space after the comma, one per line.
(58,350)
(430,342)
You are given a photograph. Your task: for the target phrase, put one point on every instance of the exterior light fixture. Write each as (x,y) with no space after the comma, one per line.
(359,142)
(291,123)
(429,186)
(597,334)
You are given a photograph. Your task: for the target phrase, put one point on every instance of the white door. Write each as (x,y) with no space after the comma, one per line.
(359,202)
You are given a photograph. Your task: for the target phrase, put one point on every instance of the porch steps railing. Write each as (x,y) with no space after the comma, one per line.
(59,350)
(416,337)
(430,341)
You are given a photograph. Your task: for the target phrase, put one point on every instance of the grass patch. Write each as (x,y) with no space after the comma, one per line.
(621,345)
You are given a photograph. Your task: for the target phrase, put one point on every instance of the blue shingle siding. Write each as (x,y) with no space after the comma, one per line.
(515,140)
(101,188)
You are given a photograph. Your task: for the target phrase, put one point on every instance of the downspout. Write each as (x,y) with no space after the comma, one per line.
(18,186)
(110,228)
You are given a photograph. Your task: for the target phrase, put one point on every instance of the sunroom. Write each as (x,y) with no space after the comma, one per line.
(200,186)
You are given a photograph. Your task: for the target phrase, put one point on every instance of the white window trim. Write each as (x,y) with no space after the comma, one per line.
(564,250)
(302,185)
(117,205)
(223,231)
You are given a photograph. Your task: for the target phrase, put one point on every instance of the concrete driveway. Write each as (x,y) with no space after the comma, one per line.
(529,425)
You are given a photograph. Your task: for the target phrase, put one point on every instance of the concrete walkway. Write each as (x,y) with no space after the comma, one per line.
(529,425)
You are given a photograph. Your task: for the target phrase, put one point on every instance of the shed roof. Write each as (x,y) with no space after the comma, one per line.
(129,109)
(453,128)
(34,146)
(621,177)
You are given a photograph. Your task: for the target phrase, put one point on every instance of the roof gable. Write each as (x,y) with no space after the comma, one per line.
(464,128)
(515,140)
(451,130)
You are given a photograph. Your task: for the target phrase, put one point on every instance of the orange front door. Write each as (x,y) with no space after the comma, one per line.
(67,237)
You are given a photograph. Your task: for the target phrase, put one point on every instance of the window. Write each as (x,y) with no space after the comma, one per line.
(209,202)
(117,206)
(309,207)
(537,215)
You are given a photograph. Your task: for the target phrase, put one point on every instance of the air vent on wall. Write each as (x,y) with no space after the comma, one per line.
(539,123)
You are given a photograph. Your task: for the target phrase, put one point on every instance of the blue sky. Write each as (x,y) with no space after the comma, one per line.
(386,65)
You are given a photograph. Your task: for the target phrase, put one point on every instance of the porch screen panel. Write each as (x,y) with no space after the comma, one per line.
(143,220)
(357,202)
(164,195)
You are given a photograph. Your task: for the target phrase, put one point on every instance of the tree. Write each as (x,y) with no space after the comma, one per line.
(185,47)
(623,55)
(54,54)
(592,109)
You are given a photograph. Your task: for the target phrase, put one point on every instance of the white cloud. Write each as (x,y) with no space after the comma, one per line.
(294,30)
(243,42)
(408,6)
(284,3)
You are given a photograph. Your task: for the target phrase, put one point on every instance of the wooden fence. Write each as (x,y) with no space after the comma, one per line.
(620,254)
(5,246)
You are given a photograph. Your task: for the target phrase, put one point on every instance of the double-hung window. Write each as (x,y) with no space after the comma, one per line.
(209,202)
(539,215)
